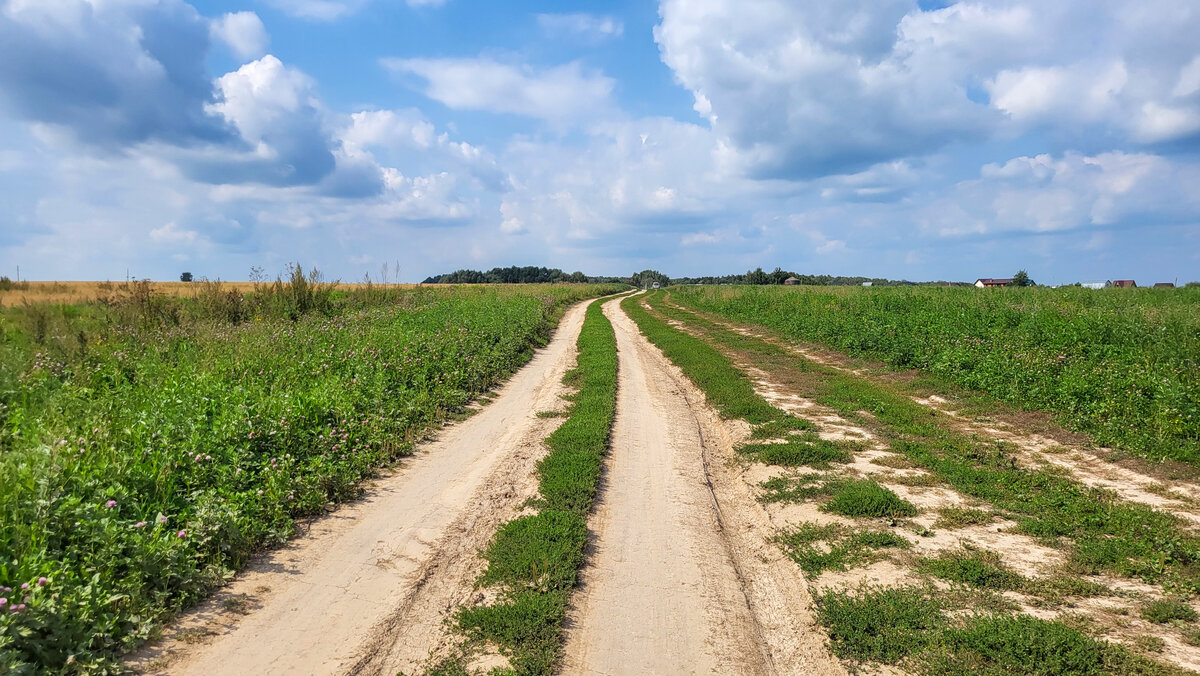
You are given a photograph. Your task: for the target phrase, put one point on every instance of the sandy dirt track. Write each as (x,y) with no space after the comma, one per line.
(368,588)
(681,579)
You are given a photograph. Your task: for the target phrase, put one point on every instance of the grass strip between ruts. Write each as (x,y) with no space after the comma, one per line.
(534,560)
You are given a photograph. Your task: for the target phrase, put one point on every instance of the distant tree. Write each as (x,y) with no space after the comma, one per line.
(647,278)
(185,277)
(1022,279)
(757,276)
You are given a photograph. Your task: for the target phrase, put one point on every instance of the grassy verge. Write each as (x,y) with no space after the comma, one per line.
(151,445)
(914,627)
(1103,533)
(1124,367)
(533,561)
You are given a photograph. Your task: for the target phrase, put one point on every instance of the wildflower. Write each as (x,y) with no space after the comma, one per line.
(181,534)
(140,524)
(3,601)
(42,582)
(162,518)
(110,504)
(24,585)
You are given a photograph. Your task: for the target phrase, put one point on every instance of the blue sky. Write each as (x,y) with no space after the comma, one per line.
(919,140)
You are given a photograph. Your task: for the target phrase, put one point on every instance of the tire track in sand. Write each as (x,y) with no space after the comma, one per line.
(681,578)
(368,588)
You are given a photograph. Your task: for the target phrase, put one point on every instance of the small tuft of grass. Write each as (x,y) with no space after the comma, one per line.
(867,498)
(961,517)
(1163,611)
(553,414)
(1059,588)
(1148,643)
(834,547)
(778,429)
(894,461)
(795,488)
(976,568)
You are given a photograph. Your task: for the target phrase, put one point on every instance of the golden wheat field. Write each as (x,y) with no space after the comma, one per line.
(70,293)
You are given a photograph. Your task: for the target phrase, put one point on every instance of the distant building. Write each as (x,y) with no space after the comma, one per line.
(867,283)
(1096,285)
(1125,284)
(791,281)
(988,282)
(1164,285)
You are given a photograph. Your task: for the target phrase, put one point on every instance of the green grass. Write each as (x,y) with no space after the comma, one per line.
(728,390)
(912,627)
(976,568)
(151,446)
(866,498)
(834,547)
(961,517)
(880,624)
(534,560)
(1163,611)
(1124,367)
(1102,533)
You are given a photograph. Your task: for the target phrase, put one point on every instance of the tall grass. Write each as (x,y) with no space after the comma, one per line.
(148,448)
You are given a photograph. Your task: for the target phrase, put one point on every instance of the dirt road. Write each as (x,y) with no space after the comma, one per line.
(681,579)
(367,589)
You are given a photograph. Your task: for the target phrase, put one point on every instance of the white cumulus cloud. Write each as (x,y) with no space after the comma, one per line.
(242,32)
(559,94)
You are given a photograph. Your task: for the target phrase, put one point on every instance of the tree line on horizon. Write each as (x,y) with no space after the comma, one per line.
(540,275)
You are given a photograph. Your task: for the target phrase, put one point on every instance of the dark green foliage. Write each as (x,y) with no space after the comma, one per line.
(1166,610)
(514,275)
(867,498)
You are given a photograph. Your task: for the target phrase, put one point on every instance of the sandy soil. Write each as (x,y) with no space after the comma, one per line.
(367,590)
(680,578)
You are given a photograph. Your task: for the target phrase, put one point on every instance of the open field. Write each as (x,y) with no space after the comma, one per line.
(661,485)
(1122,365)
(73,293)
(152,446)
(904,516)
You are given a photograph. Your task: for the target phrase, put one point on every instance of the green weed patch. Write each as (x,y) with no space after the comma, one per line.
(867,498)
(834,547)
